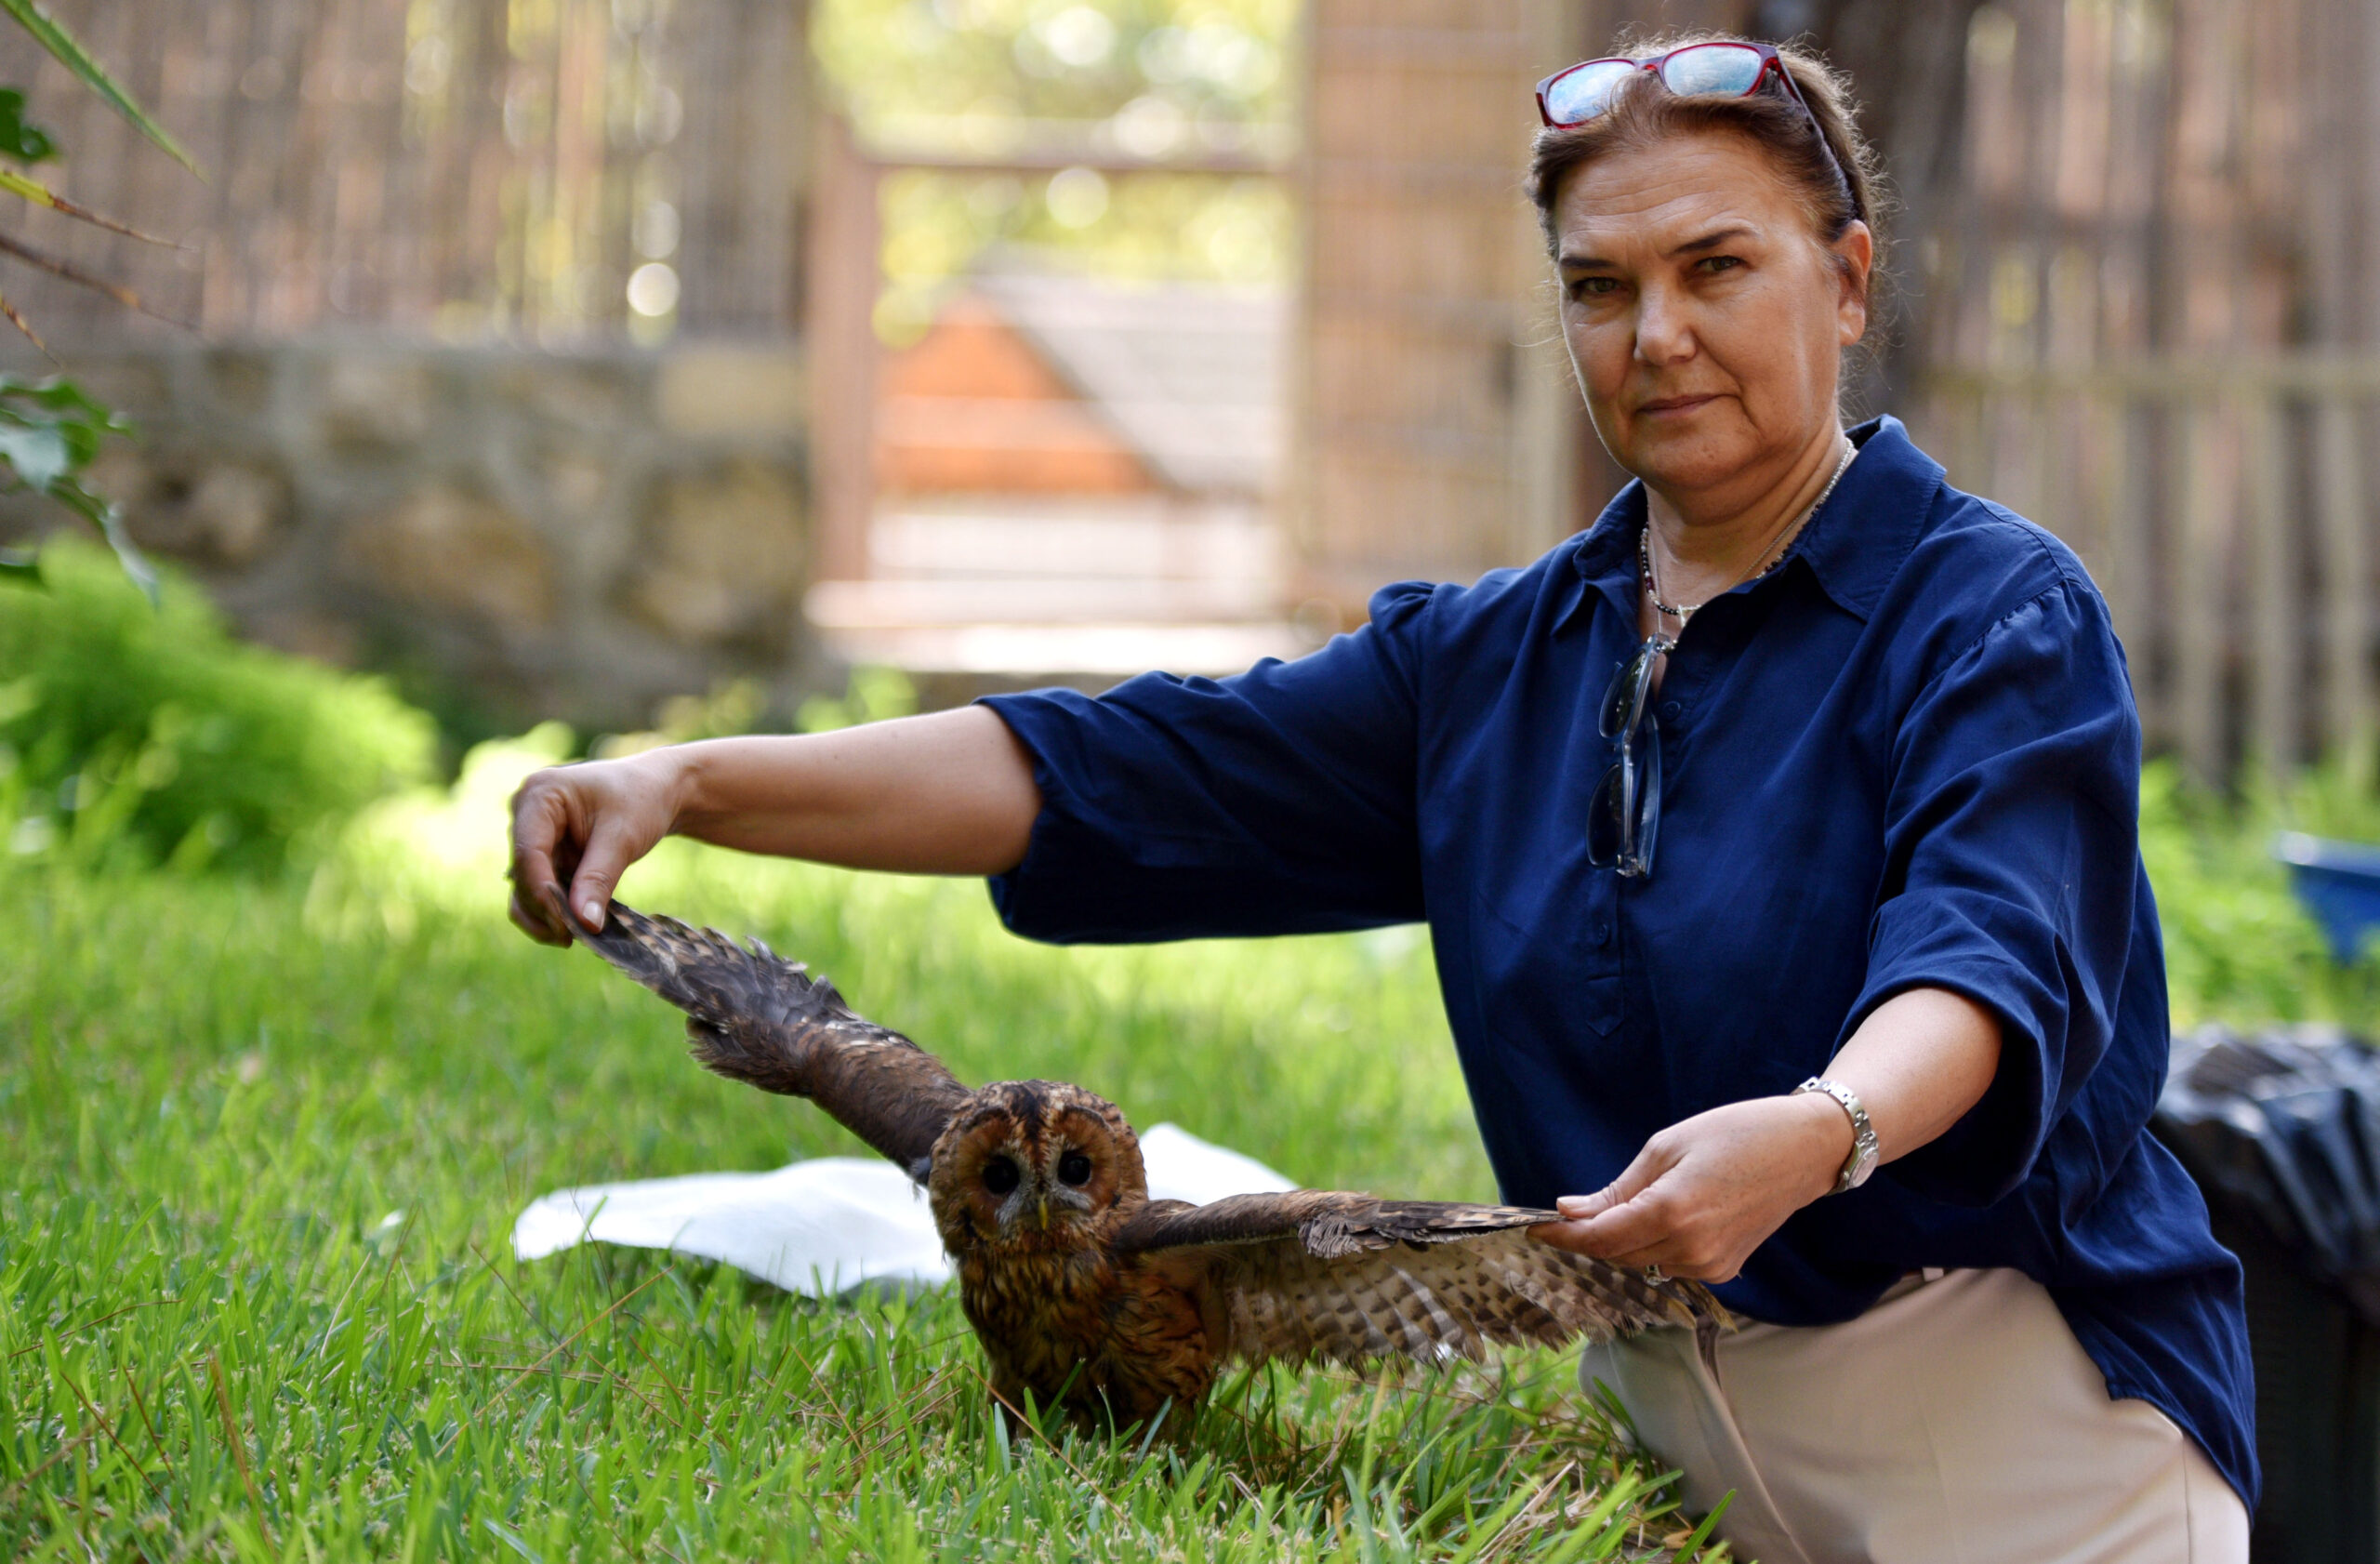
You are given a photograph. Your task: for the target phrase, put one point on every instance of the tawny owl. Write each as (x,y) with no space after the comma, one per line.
(1084,1292)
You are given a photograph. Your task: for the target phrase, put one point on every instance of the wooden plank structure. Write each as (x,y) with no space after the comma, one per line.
(843,275)
(472,168)
(2143,317)
(2144,314)
(2152,329)
(1435,429)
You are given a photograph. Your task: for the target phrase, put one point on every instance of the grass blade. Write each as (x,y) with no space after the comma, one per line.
(1701,1534)
(17,320)
(58,267)
(232,1436)
(40,194)
(68,51)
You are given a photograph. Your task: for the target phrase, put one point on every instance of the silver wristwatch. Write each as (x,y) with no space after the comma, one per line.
(1862,1161)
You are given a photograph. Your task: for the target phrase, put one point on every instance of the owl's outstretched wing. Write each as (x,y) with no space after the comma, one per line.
(1347,1278)
(756,1017)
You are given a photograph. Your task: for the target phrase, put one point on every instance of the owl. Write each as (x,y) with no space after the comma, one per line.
(1087,1294)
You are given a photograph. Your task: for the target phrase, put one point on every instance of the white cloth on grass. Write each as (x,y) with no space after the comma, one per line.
(819,1227)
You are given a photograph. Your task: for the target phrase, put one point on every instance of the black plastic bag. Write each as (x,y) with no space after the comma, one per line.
(2283,1129)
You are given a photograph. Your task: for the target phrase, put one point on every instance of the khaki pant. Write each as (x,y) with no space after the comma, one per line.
(1957,1422)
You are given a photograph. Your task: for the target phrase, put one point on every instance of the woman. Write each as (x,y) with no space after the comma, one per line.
(1727,918)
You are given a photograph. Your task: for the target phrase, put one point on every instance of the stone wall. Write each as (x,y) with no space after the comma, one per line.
(515,535)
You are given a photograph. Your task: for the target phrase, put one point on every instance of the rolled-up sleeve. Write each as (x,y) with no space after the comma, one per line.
(1279,800)
(2011,871)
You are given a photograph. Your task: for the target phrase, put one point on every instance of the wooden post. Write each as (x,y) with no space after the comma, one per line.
(2206,488)
(2343,526)
(1412,380)
(841,332)
(1552,426)
(2276,636)
(2123,518)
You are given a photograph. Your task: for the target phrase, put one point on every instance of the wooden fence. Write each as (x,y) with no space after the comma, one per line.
(2144,303)
(1437,434)
(2224,506)
(2150,324)
(464,167)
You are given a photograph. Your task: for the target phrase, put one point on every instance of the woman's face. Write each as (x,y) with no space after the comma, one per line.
(1705,319)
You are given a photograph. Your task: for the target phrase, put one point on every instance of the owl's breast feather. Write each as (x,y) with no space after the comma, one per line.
(1083,1327)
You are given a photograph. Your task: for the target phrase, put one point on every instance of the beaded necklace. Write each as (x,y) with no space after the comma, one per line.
(1687,611)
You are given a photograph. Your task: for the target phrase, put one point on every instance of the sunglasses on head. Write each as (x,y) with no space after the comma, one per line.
(1572,97)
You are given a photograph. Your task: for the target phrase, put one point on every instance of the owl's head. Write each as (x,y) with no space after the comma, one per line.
(1033,1164)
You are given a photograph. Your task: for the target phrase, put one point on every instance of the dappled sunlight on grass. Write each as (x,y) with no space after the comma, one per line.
(266,1142)
(265,1139)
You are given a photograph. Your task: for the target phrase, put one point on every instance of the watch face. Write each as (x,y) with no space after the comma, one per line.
(1863,1157)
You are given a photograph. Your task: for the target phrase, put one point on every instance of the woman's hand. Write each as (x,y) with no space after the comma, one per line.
(1705,1192)
(948,793)
(577,828)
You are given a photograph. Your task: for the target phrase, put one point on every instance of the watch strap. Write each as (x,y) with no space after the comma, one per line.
(1862,1161)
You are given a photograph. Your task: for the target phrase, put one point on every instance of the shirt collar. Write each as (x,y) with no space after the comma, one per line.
(1853,547)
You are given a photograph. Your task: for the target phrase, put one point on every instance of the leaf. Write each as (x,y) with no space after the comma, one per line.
(38,452)
(49,432)
(69,52)
(1693,1545)
(127,553)
(21,137)
(42,195)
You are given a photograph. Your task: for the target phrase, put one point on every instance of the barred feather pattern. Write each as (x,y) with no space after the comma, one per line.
(1344,1277)
(1112,1304)
(756,1017)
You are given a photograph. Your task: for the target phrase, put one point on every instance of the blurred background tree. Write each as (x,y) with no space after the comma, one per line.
(1150,79)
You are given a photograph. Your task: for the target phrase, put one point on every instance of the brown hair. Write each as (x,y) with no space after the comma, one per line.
(1643,112)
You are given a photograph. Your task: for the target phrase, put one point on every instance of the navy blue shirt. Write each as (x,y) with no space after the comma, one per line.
(1908,756)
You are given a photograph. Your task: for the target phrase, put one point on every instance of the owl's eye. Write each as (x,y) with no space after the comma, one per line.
(1000,1175)
(1074,1168)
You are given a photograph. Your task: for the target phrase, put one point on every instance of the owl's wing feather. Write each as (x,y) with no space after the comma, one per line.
(1347,1278)
(756,1017)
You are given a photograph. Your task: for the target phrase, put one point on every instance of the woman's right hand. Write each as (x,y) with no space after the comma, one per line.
(951,793)
(577,828)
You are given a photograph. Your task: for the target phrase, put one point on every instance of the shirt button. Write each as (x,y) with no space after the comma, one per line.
(1670,710)
(1600,932)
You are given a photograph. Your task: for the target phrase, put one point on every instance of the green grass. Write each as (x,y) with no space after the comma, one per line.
(262,1141)
(263,1145)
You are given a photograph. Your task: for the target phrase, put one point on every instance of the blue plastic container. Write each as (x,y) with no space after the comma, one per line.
(2339,882)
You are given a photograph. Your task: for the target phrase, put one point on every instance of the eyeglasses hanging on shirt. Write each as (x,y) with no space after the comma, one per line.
(1625,814)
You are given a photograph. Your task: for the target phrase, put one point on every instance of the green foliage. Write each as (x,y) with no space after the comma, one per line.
(51,34)
(1156,78)
(2238,946)
(260,1157)
(262,1140)
(21,137)
(1211,61)
(50,433)
(1146,227)
(872,696)
(51,429)
(131,735)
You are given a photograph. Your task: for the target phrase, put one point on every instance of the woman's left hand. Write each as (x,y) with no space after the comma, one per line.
(1704,1192)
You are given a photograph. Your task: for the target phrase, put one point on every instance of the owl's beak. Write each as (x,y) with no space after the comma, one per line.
(1043,1206)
